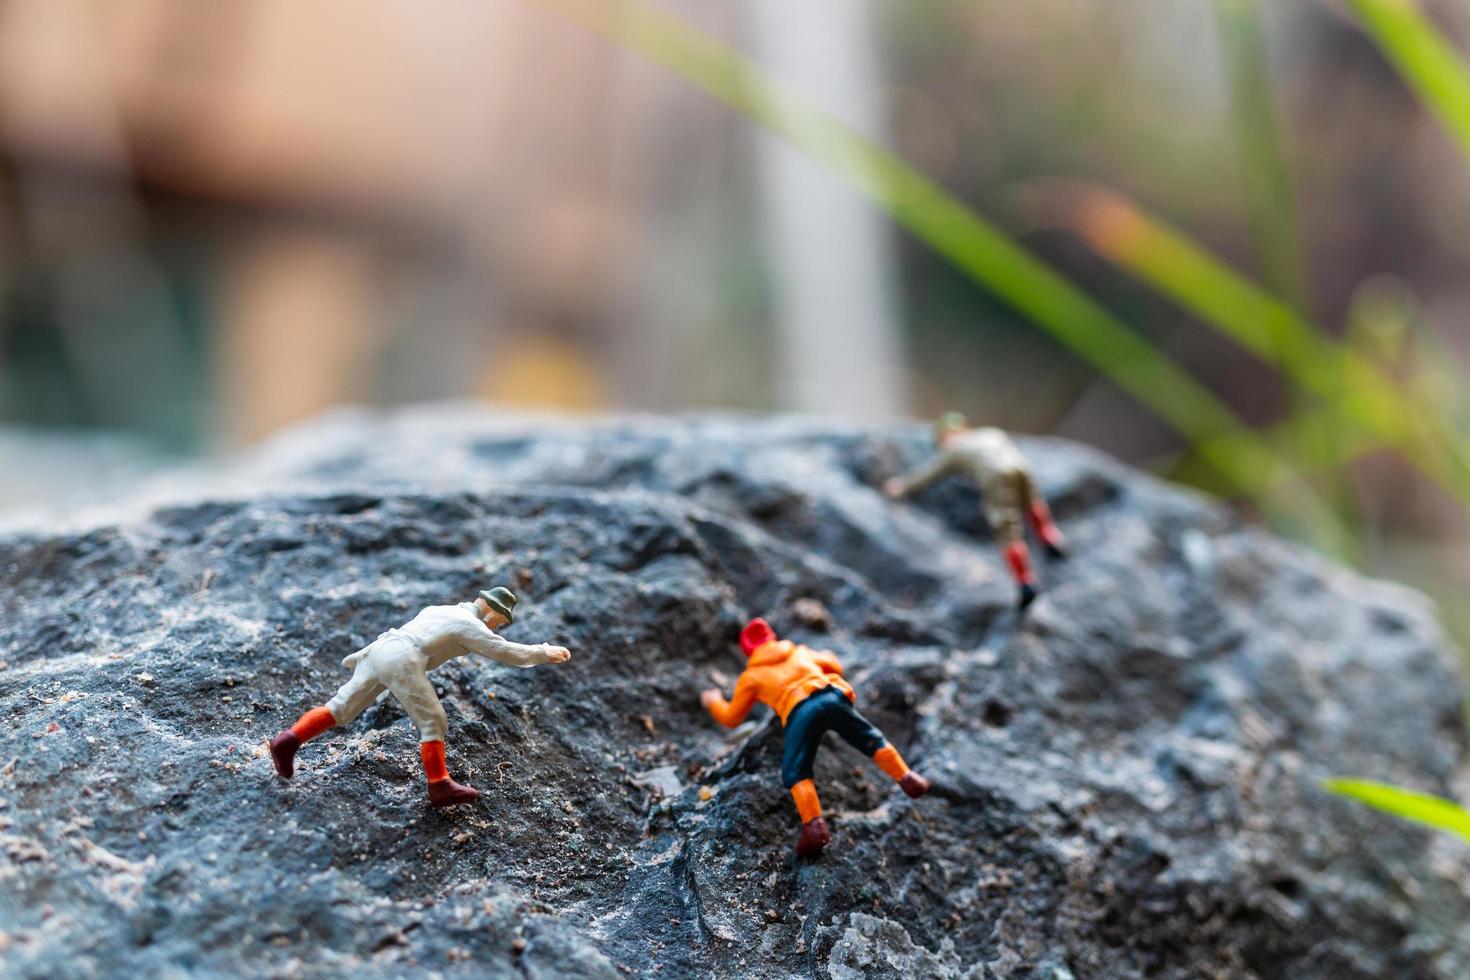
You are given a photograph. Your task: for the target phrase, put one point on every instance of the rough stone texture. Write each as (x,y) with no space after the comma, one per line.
(1126,779)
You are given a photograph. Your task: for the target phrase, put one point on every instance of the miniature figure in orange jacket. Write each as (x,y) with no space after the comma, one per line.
(806,689)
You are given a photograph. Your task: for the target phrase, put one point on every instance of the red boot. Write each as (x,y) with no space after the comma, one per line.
(913,784)
(892,763)
(283,751)
(814,837)
(1018,556)
(307,727)
(443,791)
(1047,531)
(446,792)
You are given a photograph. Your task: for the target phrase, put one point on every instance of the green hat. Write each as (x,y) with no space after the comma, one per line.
(502,601)
(949,421)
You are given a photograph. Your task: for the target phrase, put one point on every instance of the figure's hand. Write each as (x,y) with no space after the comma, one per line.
(558,655)
(893,488)
(710,696)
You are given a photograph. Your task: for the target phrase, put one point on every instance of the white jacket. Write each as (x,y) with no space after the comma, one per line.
(444,632)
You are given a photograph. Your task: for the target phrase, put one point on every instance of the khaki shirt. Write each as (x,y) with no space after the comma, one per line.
(981,454)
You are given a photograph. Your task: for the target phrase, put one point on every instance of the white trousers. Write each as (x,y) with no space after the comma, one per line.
(400,667)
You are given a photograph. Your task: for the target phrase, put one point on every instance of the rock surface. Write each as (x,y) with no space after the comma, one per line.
(1127,778)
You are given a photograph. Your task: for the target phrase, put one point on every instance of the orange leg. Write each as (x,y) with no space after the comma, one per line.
(891,762)
(432,754)
(313,723)
(283,747)
(814,833)
(807,804)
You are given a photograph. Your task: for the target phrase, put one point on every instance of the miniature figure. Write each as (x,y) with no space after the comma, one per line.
(991,459)
(805,687)
(398,662)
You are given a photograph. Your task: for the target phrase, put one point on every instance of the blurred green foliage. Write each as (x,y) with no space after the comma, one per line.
(938,218)
(1346,397)
(1425,59)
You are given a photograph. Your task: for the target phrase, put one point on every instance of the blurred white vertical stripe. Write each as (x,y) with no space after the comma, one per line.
(831,255)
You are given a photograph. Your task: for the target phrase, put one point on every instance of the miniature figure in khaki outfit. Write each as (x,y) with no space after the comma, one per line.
(399,661)
(805,687)
(1007,492)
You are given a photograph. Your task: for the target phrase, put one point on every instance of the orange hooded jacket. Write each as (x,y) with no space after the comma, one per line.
(780,674)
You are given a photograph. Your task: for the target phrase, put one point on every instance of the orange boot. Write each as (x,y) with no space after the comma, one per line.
(443,791)
(814,833)
(285,744)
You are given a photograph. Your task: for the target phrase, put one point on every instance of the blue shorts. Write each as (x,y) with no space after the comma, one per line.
(820,712)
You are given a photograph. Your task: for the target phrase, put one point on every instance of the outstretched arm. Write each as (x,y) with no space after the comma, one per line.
(733,712)
(930,472)
(482,642)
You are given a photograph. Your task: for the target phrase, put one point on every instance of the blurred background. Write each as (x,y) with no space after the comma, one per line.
(217,220)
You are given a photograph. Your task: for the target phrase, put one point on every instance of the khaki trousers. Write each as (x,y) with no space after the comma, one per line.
(1006,496)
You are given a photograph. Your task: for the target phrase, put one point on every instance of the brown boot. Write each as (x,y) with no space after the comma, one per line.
(814,837)
(283,751)
(913,784)
(446,792)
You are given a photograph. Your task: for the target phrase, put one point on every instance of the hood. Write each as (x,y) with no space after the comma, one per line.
(771,653)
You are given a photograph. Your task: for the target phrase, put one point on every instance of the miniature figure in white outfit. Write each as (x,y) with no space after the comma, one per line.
(398,662)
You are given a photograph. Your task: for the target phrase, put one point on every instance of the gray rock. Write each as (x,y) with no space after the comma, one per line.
(1127,780)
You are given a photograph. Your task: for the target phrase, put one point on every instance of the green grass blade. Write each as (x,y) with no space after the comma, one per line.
(1426,60)
(1270,205)
(1269,196)
(1304,431)
(1342,378)
(1383,327)
(937,218)
(1422,808)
